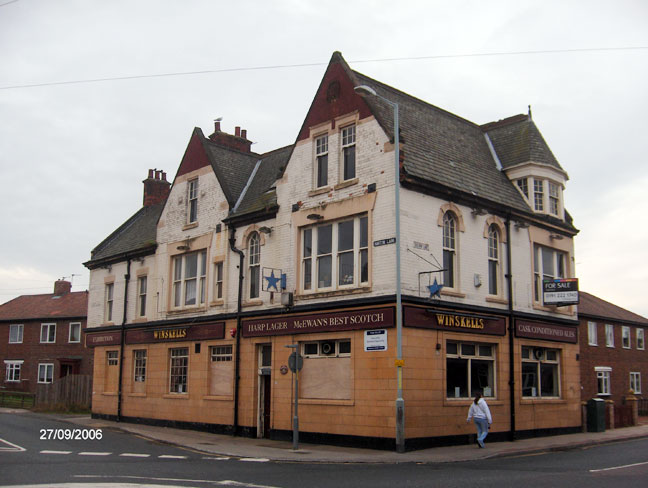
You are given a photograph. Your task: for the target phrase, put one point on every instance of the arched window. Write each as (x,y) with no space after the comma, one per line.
(254,264)
(493,259)
(449,249)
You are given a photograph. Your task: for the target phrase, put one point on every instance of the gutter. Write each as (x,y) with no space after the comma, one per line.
(511,328)
(122,343)
(239,308)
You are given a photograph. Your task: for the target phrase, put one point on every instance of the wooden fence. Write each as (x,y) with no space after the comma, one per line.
(71,390)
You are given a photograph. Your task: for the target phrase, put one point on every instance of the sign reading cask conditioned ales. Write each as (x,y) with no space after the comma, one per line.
(546,332)
(324,322)
(457,322)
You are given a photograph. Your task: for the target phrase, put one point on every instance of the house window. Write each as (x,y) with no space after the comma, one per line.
(48,333)
(218,281)
(603,380)
(189,273)
(470,369)
(12,370)
(493,260)
(348,152)
(112,358)
(220,370)
(254,265)
(332,348)
(327,371)
(75,332)
(625,337)
(592,334)
(554,198)
(609,335)
(540,372)
(640,339)
(139,365)
(538,195)
(635,382)
(192,201)
(548,264)
(178,369)
(449,249)
(335,254)
(108,308)
(142,284)
(45,373)
(15,333)
(321,158)
(523,185)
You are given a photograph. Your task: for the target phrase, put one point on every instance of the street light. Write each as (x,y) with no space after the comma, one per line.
(365,91)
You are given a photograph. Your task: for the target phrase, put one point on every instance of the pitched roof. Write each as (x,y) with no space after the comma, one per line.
(49,306)
(135,236)
(592,306)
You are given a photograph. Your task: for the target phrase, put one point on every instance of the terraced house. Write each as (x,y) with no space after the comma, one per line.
(194,299)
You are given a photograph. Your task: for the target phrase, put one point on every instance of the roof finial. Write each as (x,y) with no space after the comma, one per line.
(530,116)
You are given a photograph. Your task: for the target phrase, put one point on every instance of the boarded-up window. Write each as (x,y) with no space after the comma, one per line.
(326,374)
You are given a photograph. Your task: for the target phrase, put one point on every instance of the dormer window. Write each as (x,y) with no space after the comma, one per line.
(554,198)
(192,201)
(538,195)
(523,185)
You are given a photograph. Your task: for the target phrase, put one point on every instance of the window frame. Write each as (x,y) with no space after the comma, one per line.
(18,327)
(553,194)
(47,378)
(112,358)
(592,333)
(603,380)
(348,152)
(192,201)
(626,337)
(109,299)
(523,186)
(461,355)
(640,338)
(559,260)
(321,160)
(338,353)
(324,255)
(74,325)
(178,370)
(254,266)
(219,270)
(635,382)
(142,293)
(450,247)
(13,370)
(609,335)
(539,362)
(140,360)
(180,282)
(51,333)
(538,195)
(494,248)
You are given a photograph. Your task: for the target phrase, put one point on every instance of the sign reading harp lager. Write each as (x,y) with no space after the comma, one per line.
(560,292)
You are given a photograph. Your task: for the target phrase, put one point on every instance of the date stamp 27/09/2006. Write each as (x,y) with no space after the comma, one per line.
(71,434)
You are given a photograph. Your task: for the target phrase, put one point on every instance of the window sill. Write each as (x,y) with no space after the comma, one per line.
(451,293)
(193,225)
(186,310)
(319,191)
(317,401)
(109,393)
(464,402)
(176,396)
(140,320)
(534,400)
(252,303)
(217,303)
(327,294)
(346,184)
(218,398)
(137,395)
(553,309)
(495,299)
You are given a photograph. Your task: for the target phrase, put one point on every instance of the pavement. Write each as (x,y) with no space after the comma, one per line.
(270,450)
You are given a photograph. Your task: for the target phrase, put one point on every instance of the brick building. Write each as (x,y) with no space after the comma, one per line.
(613,355)
(41,338)
(194,300)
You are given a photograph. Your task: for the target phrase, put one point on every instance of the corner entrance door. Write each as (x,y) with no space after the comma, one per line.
(265,390)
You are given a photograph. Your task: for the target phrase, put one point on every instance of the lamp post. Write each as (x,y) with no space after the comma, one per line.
(364,91)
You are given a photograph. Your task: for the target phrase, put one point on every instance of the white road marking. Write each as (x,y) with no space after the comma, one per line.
(211,482)
(55,452)
(617,467)
(12,447)
(169,456)
(133,454)
(91,453)
(217,458)
(255,460)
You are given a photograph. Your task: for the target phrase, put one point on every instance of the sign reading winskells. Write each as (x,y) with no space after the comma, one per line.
(322,322)
(560,292)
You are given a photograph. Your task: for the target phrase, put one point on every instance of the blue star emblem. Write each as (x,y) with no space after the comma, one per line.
(272,281)
(435,289)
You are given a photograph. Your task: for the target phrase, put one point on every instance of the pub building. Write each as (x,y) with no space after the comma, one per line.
(198,300)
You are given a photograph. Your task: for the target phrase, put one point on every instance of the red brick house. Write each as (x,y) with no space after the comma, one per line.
(613,353)
(41,338)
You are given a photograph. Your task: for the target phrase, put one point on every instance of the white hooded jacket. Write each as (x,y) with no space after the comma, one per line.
(480,411)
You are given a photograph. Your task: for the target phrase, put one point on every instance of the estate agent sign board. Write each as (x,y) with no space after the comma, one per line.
(560,292)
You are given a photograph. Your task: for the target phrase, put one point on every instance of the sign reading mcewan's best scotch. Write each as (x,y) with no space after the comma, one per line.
(323,322)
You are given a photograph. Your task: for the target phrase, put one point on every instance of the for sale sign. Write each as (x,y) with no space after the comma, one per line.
(560,293)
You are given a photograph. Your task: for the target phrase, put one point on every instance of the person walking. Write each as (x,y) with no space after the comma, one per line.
(480,412)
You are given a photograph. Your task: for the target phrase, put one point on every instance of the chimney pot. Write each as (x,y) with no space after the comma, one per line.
(150,174)
(217,126)
(164,176)
(244,134)
(237,131)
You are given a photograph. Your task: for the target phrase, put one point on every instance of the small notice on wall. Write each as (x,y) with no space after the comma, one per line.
(375,340)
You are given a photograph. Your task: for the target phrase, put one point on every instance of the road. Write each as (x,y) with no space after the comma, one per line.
(29,455)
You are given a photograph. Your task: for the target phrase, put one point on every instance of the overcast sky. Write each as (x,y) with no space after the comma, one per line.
(73,155)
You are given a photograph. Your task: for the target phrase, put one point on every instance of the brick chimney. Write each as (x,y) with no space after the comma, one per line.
(156,188)
(237,141)
(61,287)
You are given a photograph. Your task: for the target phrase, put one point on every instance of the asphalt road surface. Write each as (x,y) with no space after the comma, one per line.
(36,450)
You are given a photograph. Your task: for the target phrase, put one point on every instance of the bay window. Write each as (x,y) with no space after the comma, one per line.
(548,264)
(335,255)
(189,273)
